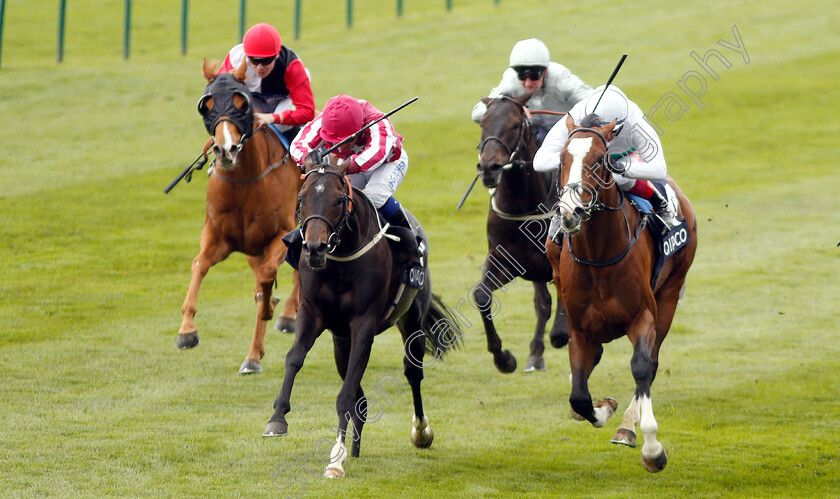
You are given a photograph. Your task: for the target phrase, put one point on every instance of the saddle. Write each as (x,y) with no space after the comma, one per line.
(667,243)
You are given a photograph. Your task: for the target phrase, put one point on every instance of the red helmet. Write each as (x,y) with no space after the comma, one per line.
(342,117)
(261,40)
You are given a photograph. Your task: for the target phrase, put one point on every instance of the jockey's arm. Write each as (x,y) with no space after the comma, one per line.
(508,85)
(548,155)
(648,160)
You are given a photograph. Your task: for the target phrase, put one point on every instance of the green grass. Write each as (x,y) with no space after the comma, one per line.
(97,401)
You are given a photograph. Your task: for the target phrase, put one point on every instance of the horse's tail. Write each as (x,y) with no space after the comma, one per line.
(441,327)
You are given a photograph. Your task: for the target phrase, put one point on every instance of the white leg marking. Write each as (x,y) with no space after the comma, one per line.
(631,415)
(651,449)
(337,457)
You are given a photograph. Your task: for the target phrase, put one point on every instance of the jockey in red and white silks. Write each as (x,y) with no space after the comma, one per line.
(646,162)
(276,77)
(554,87)
(378,162)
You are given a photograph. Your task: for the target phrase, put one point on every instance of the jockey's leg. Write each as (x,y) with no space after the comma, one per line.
(645,189)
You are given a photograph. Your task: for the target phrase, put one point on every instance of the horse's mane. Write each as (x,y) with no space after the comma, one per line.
(590,120)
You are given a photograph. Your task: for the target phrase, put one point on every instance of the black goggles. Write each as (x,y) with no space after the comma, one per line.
(265,61)
(529,72)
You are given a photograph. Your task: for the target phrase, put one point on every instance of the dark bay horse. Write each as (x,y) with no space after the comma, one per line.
(517,225)
(605,283)
(251,203)
(352,283)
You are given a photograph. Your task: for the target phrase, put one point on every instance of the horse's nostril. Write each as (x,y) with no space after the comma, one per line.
(579,211)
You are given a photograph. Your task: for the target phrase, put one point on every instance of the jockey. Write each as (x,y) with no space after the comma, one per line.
(554,87)
(376,161)
(277,79)
(646,162)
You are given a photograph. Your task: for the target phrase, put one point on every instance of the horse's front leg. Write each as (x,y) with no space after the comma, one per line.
(542,305)
(493,278)
(212,250)
(286,321)
(347,405)
(584,354)
(643,365)
(266,274)
(310,326)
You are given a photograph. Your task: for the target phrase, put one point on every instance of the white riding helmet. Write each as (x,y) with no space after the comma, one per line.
(530,52)
(612,106)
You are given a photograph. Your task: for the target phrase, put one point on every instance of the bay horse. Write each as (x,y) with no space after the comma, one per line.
(604,277)
(251,203)
(517,224)
(353,284)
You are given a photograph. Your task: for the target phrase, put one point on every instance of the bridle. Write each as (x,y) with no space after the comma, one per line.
(521,142)
(594,205)
(334,239)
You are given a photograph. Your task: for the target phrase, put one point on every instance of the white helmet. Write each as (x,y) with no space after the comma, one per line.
(612,106)
(530,52)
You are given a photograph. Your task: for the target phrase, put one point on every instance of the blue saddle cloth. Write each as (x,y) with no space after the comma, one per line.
(280,136)
(666,244)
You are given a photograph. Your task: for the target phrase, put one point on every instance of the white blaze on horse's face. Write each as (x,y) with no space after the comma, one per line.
(229,147)
(578,148)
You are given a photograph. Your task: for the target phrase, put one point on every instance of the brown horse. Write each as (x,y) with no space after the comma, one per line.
(605,285)
(251,203)
(516,226)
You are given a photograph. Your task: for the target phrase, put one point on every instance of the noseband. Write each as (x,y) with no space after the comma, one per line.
(520,142)
(334,238)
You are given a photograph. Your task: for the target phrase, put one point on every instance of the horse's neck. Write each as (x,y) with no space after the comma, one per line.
(607,232)
(522,189)
(256,155)
(361,224)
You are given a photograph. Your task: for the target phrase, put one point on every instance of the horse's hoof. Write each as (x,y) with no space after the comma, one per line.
(276,429)
(186,341)
(505,362)
(656,464)
(422,435)
(558,340)
(608,402)
(285,325)
(624,436)
(333,473)
(534,363)
(250,366)
(574,415)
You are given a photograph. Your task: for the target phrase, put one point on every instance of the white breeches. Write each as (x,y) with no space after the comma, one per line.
(381,182)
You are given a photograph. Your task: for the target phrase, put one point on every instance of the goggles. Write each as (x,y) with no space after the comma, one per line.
(529,72)
(265,61)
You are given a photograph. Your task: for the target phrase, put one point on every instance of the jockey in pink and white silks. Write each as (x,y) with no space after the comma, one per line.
(632,133)
(554,87)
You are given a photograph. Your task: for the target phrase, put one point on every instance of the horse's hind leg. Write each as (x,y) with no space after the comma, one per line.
(493,278)
(422,435)
(286,321)
(213,250)
(542,305)
(626,433)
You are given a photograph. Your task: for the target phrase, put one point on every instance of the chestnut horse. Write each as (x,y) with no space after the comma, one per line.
(251,203)
(516,226)
(354,284)
(605,283)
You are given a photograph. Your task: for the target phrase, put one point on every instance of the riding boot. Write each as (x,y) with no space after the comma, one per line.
(294,240)
(662,208)
(398,219)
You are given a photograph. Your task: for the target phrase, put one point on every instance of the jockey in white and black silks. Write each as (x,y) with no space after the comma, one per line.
(276,77)
(632,132)
(554,87)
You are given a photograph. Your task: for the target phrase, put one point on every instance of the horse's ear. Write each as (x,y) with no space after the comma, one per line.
(522,99)
(344,167)
(239,74)
(570,123)
(608,130)
(209,69)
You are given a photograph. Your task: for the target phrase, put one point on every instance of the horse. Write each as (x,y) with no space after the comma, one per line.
(605,279)
(516,226)
(355,286)
(251,203)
